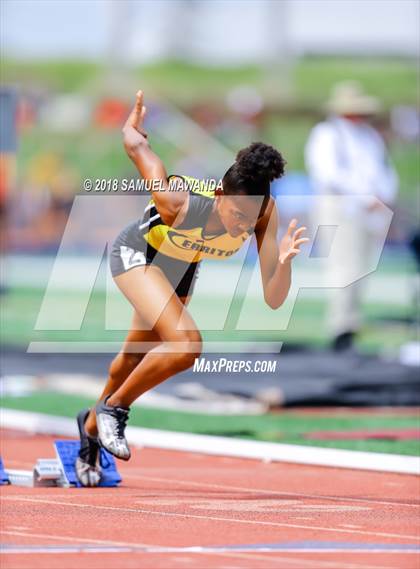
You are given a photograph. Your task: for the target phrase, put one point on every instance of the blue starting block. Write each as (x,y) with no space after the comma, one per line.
(67,452)
(60,471)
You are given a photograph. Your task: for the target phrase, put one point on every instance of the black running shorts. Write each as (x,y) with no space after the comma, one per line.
(130,250)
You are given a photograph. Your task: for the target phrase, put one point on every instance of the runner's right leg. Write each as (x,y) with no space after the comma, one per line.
(152,296)
(124,363)
(88,469)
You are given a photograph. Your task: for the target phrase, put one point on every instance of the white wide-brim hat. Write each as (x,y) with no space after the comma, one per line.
(349,98)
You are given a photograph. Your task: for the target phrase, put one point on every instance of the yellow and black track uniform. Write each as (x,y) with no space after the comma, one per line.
(177,251)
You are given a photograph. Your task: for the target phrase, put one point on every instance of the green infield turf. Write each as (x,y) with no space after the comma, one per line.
(288,427)
(385,328)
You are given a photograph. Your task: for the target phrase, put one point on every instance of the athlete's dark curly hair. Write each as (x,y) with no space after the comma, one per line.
(255,167)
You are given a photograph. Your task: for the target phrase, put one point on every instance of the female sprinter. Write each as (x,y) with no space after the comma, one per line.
(154,262)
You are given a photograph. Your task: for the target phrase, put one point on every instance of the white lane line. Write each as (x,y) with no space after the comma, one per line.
(134,548)
(171,481)
(269,555)
(248,555)
(314,564)
(19,528)
(214,518)
(135,474)
(59,550)
(76,538)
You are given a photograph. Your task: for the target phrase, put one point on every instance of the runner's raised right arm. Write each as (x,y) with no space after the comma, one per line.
(168,203)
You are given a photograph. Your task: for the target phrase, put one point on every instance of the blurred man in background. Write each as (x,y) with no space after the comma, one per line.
(345,155)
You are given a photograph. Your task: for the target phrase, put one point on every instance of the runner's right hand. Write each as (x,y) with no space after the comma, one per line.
(134,134)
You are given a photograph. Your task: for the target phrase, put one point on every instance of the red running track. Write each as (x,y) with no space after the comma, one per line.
(183,510)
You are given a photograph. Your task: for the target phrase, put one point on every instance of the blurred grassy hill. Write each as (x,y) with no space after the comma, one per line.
(97,154)
(393,80)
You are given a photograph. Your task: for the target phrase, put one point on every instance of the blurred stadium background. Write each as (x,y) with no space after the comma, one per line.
(216,76)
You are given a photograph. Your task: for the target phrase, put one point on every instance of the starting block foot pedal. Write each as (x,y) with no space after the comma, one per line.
(67,452)
(48,472)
